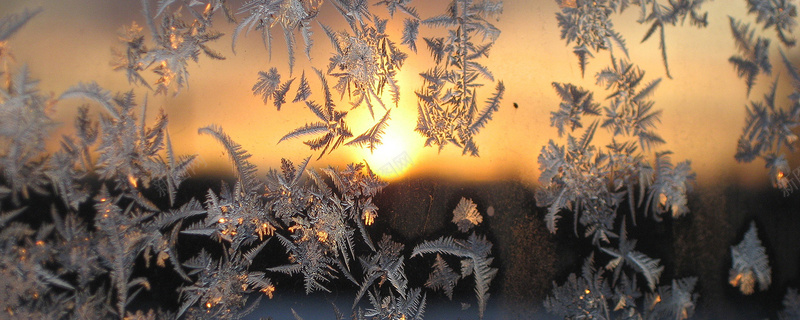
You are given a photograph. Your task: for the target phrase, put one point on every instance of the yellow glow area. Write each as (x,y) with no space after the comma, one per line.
(269,290)
(396,155)
(735,281)
(322,236)
(369,217)
(662,199)
(132,181)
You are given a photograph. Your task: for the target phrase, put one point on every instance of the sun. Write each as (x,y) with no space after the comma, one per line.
(393,157)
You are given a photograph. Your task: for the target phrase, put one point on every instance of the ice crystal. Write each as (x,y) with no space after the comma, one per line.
(222,287)
(466,215)
(671,13)
(365,62)
(575,103)
(592,181)
(269,86)
(626,294)
(303,90)
(625,254)
(630,112)
(236,217)
(768,129)
(308,256)
(588,24)
(90,265)
(113,165)
(75,251)
(780,14)
(131,61)
(581,296)
(11,23)
(124,238)
(386,264)
(574,179)
(129,152)
(755,54)
(372,137)
(590,296)
(674,302)
(750,263)
(791,305)
(176,42)
(213,5)
(268,83)
(126,224)
(245,171)
(402,5)
(448,101)
(291,15)
(410,24)
(671,186)
(24,128)
(442,277)
(475,248)
(179,42)
(332,124)
(323,220)
(410,305)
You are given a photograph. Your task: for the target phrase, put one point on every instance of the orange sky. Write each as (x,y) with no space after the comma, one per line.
(703,106)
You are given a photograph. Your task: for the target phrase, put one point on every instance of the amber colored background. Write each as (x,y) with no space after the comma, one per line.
(703,105)
(703,115)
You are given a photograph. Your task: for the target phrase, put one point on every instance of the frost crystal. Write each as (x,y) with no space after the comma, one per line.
(448,101)
(750,263)
(466,215)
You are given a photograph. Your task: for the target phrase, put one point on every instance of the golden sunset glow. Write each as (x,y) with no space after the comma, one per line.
(132,181)
(392,158)
(528,56)
(269,290)
(369,217)
(400,147)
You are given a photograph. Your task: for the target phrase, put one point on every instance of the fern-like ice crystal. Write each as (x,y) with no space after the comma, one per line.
(780,14)
(755,54)
(588,24)
(466,215)
(448,102)
(291,15)
(750,264)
